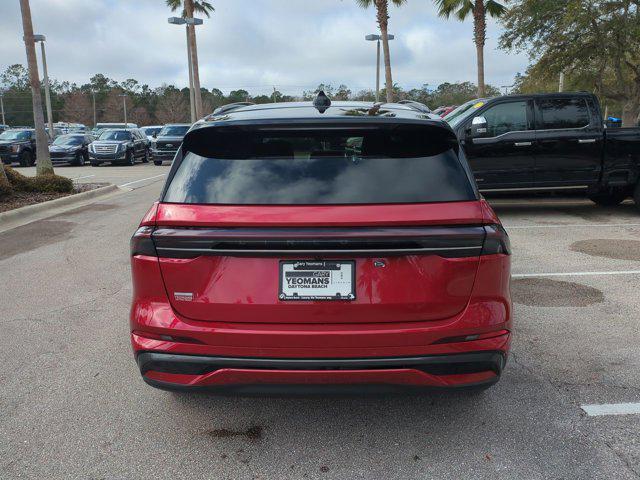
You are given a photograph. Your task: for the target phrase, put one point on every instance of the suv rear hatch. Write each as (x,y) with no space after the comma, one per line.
(321,224)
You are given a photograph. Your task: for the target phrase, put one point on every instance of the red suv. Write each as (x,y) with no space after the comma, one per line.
(306,245)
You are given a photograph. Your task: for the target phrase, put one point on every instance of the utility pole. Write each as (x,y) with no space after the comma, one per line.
(47,87)
(2,108)
(124,104)
(192,93)
(377,38)
(93,96)
(561,85)
(378,72)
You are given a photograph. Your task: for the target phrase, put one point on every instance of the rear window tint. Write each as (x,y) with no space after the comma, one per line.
(303,168)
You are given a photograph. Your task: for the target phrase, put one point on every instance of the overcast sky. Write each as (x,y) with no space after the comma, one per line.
(252,44)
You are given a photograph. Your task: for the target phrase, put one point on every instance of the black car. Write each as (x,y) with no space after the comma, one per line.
(549,142)
(18,145)
(72,148)
(119,146)
(168,141)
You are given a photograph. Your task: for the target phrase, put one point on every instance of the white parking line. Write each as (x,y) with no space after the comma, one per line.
(575,274)
(574,225)
(142,180)
(612,409)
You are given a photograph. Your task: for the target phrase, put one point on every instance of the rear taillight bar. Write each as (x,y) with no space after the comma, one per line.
(142,244)
(496,241)
(448,242)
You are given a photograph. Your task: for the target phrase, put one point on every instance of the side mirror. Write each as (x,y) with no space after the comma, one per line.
(478,127)
(154,134)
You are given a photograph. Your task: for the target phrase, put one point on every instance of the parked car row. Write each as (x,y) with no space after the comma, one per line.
(115,143)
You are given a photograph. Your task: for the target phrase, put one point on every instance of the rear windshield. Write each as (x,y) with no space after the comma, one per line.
(317,168)
(174,130)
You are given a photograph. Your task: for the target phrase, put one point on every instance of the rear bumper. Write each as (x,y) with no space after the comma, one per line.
(233,375)
(176,352)
(162,154)
(108,157)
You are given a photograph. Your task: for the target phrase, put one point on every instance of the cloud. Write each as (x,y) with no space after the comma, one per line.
(252,44)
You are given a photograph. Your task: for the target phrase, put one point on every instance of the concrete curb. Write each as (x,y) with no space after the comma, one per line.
(24,214)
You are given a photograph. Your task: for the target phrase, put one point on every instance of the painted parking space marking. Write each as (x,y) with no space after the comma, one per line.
(574,225)
(611,409)
(575,274)
(142,180)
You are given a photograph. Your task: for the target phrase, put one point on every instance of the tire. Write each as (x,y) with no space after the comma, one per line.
(608,199)
(157,162)
(95,164)
(145,159)
(26,159)
(79,160)
(130,160)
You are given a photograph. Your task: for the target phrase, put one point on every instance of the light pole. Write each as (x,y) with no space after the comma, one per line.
(376,38)
(93,97)
(124,104)
(2,108)
(47,93)
(187,22)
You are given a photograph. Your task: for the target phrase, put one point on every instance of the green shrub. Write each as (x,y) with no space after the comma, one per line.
(50,184)
(17,180)
(5,189)
(39,183)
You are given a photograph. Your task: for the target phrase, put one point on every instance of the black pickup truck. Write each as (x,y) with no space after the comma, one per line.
(18,145)
(549,142)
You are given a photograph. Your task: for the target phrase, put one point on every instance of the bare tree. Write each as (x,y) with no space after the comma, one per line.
(44,167)
(77,108)
(113,108)
(172,107)
(140,116)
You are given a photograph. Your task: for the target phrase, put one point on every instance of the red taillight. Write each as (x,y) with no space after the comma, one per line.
(142,243)
(496,241)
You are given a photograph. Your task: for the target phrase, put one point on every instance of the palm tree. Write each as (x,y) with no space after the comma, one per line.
(45,166)
(188,9)
(382,14)
(479,9)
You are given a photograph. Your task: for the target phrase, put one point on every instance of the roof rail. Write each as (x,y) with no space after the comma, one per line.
(228,107)
(420,107)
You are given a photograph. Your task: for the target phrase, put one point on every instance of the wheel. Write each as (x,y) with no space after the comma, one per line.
(130,159)
(157,162)
(79,160)
(145,159)
(608,199)
(26,159)
(95,164)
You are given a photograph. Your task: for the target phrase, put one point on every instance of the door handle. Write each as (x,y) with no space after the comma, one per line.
(587,140)
(522,144)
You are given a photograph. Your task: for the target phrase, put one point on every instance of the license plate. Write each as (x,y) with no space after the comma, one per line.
(317,280)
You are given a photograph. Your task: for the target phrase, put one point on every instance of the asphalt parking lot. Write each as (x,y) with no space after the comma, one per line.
(139,175)
(73,404)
